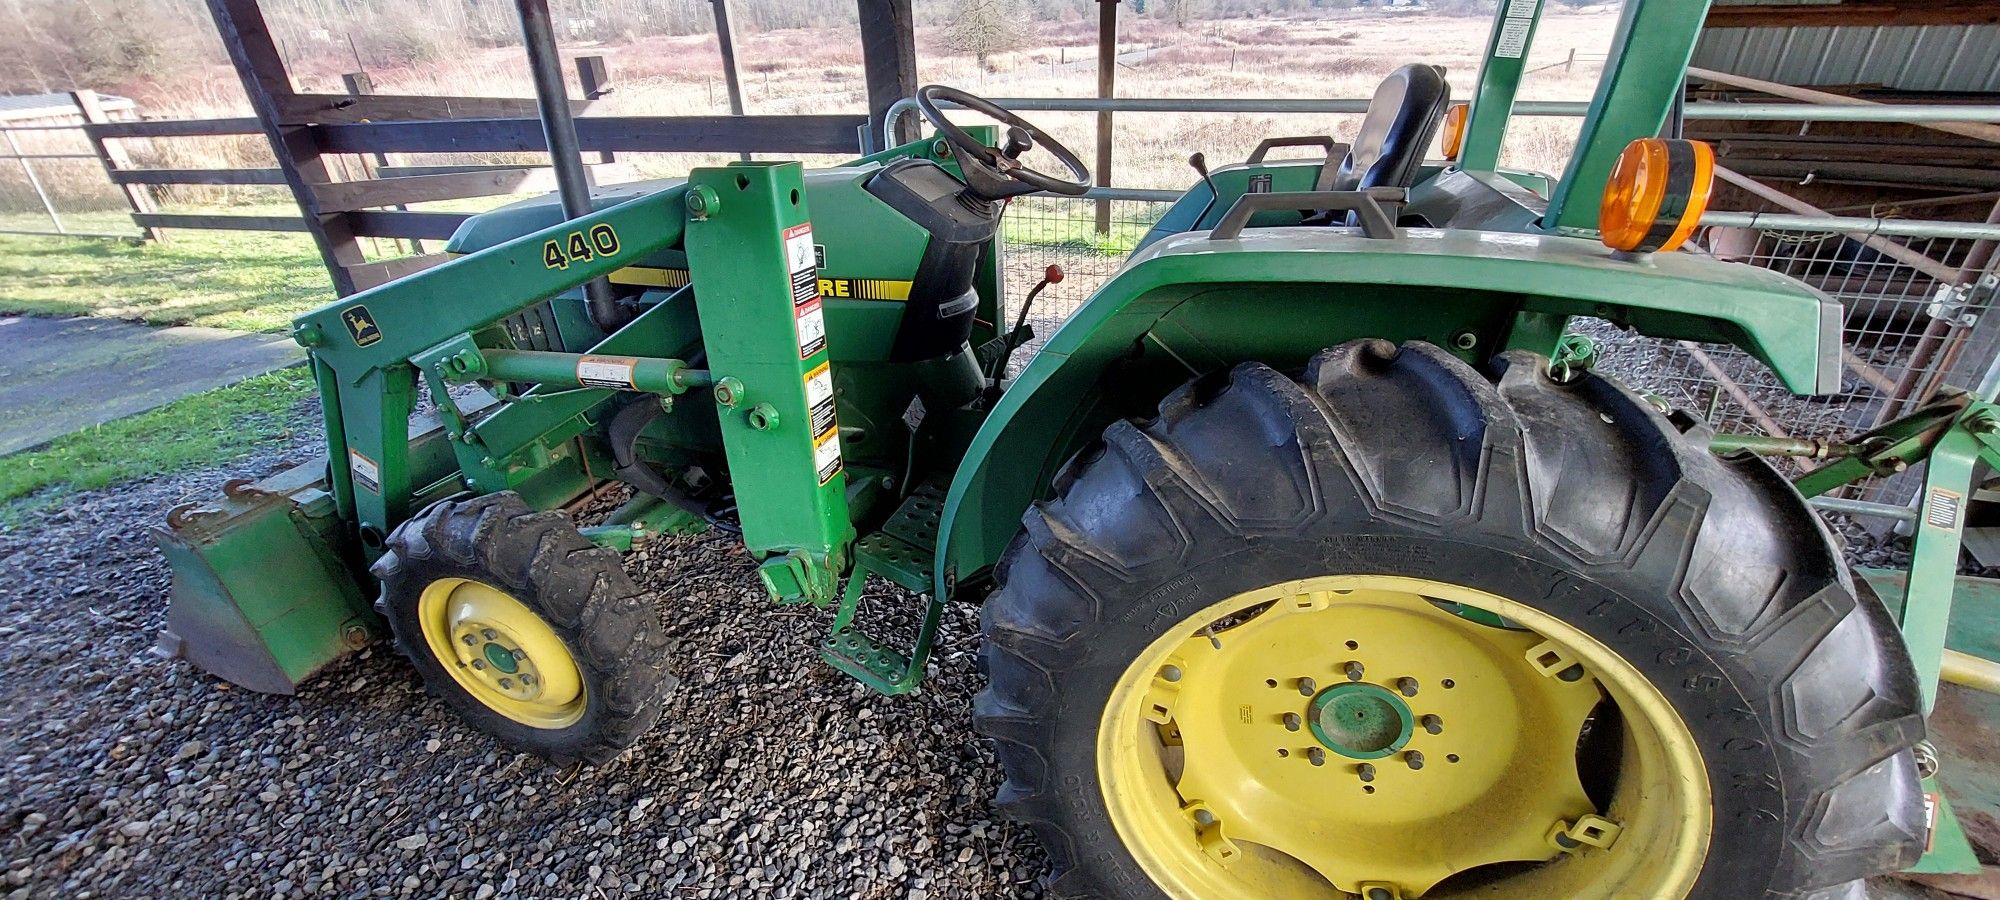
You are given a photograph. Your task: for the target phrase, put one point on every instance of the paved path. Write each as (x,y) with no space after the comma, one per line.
(59,375)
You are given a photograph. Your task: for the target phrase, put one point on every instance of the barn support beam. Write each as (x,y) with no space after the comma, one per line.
(261,68)
(889,57)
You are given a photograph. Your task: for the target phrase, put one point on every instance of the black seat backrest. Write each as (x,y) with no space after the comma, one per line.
(1402,119)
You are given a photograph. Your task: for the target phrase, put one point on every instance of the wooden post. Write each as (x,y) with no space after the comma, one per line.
(1107,70)
(595,81)
(113,158)
(732,75)
(889,57)
(359,84)
(261,68)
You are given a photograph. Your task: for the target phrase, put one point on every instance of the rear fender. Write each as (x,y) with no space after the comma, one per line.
(1188,306)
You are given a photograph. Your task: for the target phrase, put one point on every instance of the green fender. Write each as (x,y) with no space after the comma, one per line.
(1187,306)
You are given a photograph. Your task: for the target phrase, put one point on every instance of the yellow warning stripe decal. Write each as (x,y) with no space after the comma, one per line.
(646,277)
(864,289)
(836,288)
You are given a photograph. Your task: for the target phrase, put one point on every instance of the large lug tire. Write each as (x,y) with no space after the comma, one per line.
(1707,576)
(528,631)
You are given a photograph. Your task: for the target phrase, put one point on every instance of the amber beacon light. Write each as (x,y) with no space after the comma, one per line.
(1656,195)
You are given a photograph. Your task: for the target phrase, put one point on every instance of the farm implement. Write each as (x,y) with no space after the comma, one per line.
(1315,558)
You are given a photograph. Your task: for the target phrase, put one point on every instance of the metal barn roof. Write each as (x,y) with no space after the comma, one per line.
(1904,57)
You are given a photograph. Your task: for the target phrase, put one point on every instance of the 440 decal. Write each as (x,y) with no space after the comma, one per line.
(580,247)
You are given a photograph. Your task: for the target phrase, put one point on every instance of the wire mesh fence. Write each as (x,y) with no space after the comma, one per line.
(1044,231)
(1919,316)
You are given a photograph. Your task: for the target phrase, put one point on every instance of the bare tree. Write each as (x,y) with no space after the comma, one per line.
(983,28)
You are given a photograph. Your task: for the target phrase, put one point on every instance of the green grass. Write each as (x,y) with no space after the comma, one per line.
(248,281)
(1072,225)
(201,431)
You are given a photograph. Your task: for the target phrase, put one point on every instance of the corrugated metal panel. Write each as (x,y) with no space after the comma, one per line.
(1905,57)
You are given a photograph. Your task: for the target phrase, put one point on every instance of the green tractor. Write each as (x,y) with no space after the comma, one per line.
(1315,560)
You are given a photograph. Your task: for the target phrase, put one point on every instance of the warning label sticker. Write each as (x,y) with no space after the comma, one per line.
(826,455)
(812,329)
(1519,9)
(1930,821)
(819,398)
(1513,39)
(606,372)
(367,474)
(825,430)
(803,260)
(1941,508)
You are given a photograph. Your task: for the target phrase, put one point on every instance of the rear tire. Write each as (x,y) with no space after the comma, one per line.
(1709,576)
(593,629)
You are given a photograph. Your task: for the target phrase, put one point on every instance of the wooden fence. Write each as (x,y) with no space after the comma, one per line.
(318,137)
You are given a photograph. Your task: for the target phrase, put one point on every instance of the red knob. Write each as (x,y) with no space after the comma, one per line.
(1053,274)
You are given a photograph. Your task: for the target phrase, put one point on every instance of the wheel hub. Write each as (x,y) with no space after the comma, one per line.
(1361,721)
(489,653)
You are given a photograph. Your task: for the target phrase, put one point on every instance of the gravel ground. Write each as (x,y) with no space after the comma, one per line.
(773,775)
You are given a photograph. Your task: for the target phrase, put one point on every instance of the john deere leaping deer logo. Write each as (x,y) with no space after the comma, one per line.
(361,326)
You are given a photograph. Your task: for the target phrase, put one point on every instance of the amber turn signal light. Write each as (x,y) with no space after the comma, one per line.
(1656,194)
(1454,129)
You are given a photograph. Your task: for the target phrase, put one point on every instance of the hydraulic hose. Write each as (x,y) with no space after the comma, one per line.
(625,427)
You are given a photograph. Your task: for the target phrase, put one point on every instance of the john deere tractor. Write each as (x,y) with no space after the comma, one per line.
(1315,560)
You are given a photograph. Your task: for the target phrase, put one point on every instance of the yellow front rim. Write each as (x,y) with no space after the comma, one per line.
(1369,736)
(501,653)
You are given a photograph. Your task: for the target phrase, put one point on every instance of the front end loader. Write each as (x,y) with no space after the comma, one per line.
(1315,558)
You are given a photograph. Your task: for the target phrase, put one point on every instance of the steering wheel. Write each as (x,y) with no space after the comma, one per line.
(995,174)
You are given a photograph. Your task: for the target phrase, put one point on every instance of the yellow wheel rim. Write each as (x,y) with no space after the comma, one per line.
(1369,736)
(501,653)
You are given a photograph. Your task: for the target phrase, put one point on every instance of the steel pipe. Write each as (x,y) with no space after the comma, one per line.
(1915,228)
(1863,508)
(1783,112)
(565,153)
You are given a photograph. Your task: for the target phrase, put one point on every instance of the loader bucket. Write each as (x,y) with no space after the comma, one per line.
(261,597)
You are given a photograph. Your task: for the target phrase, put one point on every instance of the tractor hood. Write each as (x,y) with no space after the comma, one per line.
(502,224)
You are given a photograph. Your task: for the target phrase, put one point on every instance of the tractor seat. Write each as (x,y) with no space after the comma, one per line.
(1389,150)
(1402,118)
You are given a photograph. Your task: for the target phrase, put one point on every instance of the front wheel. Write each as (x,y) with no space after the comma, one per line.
(1396,630)
(529,631)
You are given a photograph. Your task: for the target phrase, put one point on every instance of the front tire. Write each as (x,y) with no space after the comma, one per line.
(529,631)
(1745,711)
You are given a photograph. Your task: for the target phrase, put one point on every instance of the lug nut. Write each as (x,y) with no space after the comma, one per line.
(1407,686)
(1317,756)
(1366,771)
(527,678)
(1432,724)
(489,634)
(1292,721)
(479,664)
(506,684)
(1307,686)
(1354,670)
(520,656)
(470,640)
(1414,759)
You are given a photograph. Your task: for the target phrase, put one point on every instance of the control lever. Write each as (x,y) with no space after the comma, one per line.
(1051,275)
(1200,164)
